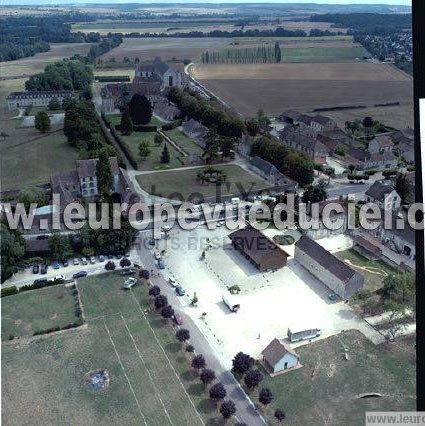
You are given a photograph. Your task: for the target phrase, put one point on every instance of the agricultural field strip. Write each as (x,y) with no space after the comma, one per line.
(154,352)
(125,374)
(168,359)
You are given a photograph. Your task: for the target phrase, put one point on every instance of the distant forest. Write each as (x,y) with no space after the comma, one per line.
(371,23)
(23,36)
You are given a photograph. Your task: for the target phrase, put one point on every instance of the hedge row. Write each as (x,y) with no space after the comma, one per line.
(112,79)
(139,128)
(76,323)
(358,177)
(172,125)
(8,291)
(121,143)
(41,285)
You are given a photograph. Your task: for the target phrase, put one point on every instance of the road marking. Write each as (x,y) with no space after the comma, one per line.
(125,374)
(149,374)
(166,356)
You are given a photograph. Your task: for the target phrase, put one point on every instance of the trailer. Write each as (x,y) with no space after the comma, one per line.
(296,336)
(231,302)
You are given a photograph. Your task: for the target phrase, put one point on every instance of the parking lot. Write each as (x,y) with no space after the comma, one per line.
(270,302)
(27,276)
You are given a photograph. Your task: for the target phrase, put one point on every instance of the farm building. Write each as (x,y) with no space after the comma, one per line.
(321,123)
(261,251)
(404,142)
(380,144)
(385,196)
(269,172)
(335,274)
(36,98)
(367,247)
(304,139)
(278,357)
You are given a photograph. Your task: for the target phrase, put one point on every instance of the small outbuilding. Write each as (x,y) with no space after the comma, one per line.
(260,250)
(278,357)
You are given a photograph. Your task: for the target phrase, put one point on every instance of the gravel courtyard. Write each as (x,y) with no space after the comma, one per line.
(270,302)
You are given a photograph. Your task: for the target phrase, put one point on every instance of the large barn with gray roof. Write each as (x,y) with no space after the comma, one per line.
(334,273)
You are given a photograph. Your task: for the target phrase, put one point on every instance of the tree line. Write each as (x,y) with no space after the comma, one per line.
(278,32)
(192,105)
(372,23)
(23,36)
(288,161)
(250,55)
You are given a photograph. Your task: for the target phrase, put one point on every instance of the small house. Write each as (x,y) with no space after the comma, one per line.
(278,357)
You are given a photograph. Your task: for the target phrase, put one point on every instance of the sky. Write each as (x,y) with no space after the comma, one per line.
(59,2)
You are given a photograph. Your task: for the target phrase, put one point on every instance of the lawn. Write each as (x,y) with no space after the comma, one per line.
(185,182)
(375,271)
(152,161)
(326,389)
(37,310)
(29,158)
(150,375)
(322,54)
(187,144)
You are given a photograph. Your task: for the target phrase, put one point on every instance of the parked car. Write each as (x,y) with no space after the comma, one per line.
(84,261)
(110,256)
(161,264)
(180,291)
(80,274)
(40,281)
(101,258)
(172,281)
(56,265)
(157,255)
(65,263)
(129,282)
(136,265)
(151,242)
(76,262)
(35,269)
(129,271)
(178,319)
(42,237)
(92,260)
(43,269)
(59,278)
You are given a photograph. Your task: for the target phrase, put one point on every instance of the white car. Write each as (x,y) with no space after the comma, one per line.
(157,255)
(220,223)
(129,282)
(76,262)
(173,281)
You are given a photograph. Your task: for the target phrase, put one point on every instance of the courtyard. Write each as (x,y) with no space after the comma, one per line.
(270,302)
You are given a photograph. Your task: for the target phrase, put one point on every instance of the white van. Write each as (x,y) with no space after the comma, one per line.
(295,336)
(230,301)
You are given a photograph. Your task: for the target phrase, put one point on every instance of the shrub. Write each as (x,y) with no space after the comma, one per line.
(110,265)
(154,291)
(172,125)
(8,291)
(160,301)
(253,379)
(182,335)
(124,262)
(198,362)
(242,363)
(190,348)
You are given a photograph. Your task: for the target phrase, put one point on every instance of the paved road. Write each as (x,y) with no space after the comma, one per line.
(245,411)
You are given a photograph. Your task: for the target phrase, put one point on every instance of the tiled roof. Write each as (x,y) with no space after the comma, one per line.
(276,350)
(324,258)
(378,190)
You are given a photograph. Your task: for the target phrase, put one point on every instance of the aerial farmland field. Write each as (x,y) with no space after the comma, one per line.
(304,86)
(34,64)
(149,48)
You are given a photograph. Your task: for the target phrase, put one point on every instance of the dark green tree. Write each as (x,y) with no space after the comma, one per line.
(277,52)
(12,250)
(42,121)
(402,187)
(104,174)
(315,193)
(140,109)
(165,155)
(60,245)
(126,126)
(227,409)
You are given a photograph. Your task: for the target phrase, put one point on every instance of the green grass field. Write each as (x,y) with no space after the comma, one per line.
(374,271)
(187,144)
(322,54)
(37,310)
(185,182)
(152,161)
(150,376)
(330,395)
